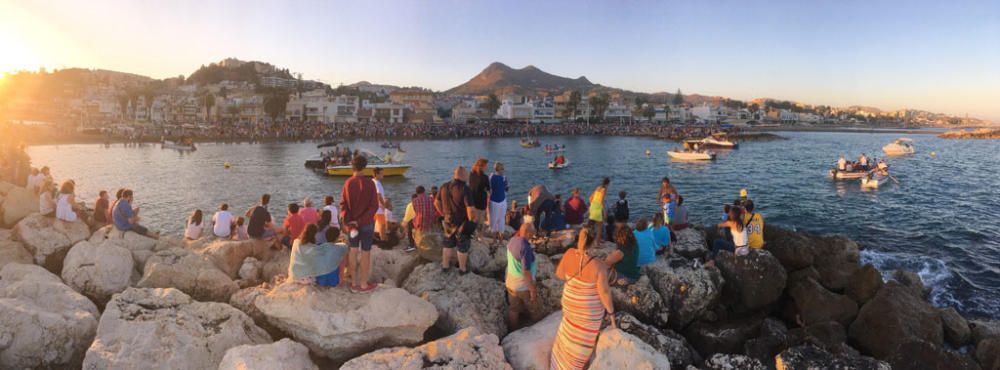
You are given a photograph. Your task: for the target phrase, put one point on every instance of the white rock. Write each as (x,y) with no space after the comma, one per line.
(392,267)
(14,252)
(18,203)
(250,271)
(49,239)
(338,324)
(486,259)
(617,350)
(462,301)
(98,271)
(467,349)
(43,322)
(275,270)
(188,272)
(284,354)
(166,329)
(228,255)
(141,247)
(531,347)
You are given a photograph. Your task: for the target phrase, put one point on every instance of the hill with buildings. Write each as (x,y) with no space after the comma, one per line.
(498,78)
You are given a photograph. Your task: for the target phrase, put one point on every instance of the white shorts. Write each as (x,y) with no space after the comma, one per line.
(498,216)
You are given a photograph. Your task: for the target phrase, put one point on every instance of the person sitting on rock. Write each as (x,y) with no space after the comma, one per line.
(575,209)
(661,234)
(194,226)
(680,219)
(313,263)
(101,205)
(737,229)
(292,226)
(754,223)
(322,224)
(625,259)
(522,293)
(645,240)
(259,223)
(46,199)
(239,231)
(222,222)
(126,218)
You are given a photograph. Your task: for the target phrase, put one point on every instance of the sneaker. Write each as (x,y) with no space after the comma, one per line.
(409,248)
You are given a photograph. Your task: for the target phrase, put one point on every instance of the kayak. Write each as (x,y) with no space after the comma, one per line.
(691,156)
(554,166)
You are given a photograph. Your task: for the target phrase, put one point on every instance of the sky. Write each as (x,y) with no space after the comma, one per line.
(937,56)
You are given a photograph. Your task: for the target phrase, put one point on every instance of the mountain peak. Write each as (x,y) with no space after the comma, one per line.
(500,78)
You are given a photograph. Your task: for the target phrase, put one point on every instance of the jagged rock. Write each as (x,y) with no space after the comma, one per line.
(864,283)
(14,252)
(284,354)
(689,289)
(558,242)
(429,245)
(392,267)
(165,328)
(982,329)
(893,317)
(836,259)
(467,349)
(956,328)
(49,239)
(617,349)
(828,335)
(722,336)
(276,268)
(755,280)
(188,272)
(462,301)
(690,243)
(531,347)
(772,339)
(912,281)
(667,342)
(549,286)
(811,357)
(918,354)
(815,304)
(228,255)
(245,300)
(794,250)
(642,301)
(43,322)
(17,204)
(98,271)
(988,353)
(487,260)
(722,361)
(802,275)
(340,325)
(250,272)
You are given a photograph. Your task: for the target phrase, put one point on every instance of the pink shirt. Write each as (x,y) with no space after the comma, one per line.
(309,215)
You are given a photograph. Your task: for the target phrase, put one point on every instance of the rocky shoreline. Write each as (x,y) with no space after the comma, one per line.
(984,133)
(72,298)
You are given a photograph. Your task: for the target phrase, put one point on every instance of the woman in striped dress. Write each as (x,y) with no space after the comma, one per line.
(586,297)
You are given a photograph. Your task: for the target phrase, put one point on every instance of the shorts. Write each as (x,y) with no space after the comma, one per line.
(520,301)
(366,235)
(458,236)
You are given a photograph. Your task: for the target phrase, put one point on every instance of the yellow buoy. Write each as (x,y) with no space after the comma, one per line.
(933,154)
(226,164)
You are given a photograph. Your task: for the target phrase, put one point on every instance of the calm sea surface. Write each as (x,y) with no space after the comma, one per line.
(942,220)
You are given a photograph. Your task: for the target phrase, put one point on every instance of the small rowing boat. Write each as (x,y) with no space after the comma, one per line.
(847,175)
(554,166)
(691,156)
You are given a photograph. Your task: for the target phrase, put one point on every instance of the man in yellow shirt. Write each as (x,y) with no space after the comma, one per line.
(754,223)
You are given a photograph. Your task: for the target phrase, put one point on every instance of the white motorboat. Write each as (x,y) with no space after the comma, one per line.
(169,144)
(718,141)
(901,146)
(691,156)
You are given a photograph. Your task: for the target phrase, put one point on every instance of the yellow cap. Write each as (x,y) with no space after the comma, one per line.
(743,193)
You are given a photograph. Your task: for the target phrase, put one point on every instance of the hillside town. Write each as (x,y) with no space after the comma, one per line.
(241,95)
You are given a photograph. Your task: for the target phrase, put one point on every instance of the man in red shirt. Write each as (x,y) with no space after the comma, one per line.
(358,204)
(575,209)
(293,225)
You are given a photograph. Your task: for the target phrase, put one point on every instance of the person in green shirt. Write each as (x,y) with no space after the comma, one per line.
(625,259)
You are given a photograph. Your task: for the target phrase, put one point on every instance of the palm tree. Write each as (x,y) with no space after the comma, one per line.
(492,104)
(678,98)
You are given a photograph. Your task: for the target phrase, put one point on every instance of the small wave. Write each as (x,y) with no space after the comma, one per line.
(932,271)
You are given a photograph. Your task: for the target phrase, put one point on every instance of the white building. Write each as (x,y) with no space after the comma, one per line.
(316,105)
(516,111)
(543,109)
(274,81)
(618,111)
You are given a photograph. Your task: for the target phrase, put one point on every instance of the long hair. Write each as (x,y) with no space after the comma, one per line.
(624,237)
(196,217)
(734,215)
(308,235)
(479,166)
(67,187)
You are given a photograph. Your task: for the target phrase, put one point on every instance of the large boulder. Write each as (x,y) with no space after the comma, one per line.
(772,339)
(276,269)
(467,349)
(956,328)
(754,281)
(556,243)
(812,357)
(486,259)
(724,361)
(723,336)
(166,329)
(983,329)
(690,243)
(284,354)
(665,341)
(864,283)
(43,322)
(429,245)
(245,300)
(228,255)
(49,239)
(642,301)
(829,335)
(816,304)
(531,347)
(550,287)
(392,266)
(142,247)
(893,317)
(98,271)
(462,301)
(617,349)
(912,281)
(17,204)
(793,249)
(988,353)
(689,289)
(836,260)
(340,325)
(188,272)
(14,252)
(918,354)
(250,272)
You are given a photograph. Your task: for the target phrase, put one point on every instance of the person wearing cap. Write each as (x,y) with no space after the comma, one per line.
(754,224)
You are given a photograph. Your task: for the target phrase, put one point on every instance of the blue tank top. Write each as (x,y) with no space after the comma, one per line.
(498,188)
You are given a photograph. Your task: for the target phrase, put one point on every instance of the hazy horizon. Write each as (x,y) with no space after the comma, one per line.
(920,55)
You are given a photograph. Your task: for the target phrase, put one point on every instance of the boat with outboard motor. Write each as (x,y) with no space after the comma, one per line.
(691,155)
(392,167)
(901,146)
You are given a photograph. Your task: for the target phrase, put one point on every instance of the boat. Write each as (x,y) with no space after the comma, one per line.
(554,166)
(184,145)
(691,156)
(389,168)
(874,181)
(901,146)
(316,163)
(525,143)
(847,175)
(560,150)
(719,141)
(328,144)
(388,145)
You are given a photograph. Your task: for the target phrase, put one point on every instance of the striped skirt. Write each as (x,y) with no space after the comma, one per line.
(581,322)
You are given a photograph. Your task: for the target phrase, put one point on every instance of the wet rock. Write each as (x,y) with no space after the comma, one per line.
(815,304)
(391,267)
(956,328)
(617,349)
(338,324)
(49,239)
(556,243)
(689,289)
(893,317)
(690,243)
(43,322)
(17,204)
(530,347)
(14,252)
(812,357)
(771,340)
(918,354)
(723,361)
(228,255)
(467,349)
(673,345)
(98,271)
(911,280)
(642,301)
(285,354)
(794,250)
(462,301)
(864,283)
(988,353)
(189,273)
(754,281)
(165,328)
(722,336)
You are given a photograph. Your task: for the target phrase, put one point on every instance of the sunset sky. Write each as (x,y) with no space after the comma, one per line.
(937,56)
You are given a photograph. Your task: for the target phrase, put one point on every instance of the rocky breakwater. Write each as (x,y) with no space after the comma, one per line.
(983,133)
